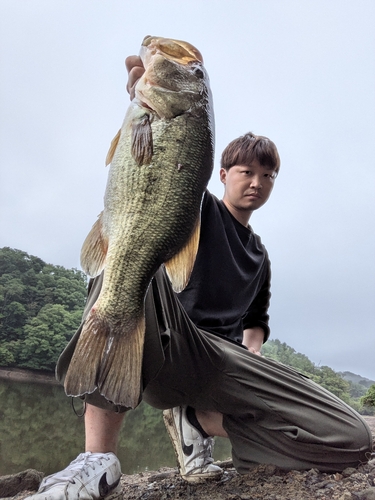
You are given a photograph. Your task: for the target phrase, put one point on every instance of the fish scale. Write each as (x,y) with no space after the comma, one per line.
(161,161)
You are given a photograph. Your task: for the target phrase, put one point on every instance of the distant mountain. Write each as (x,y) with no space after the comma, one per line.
(357,379)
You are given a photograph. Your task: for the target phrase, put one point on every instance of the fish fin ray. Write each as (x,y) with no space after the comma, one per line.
(119,379)
(180,266)
(112,148)
(94,249)
(142,143)
(82,374)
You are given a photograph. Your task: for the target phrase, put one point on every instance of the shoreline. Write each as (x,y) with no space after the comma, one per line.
(25,375)
(160,483)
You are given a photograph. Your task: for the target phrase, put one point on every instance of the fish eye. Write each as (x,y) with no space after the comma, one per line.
(198,72)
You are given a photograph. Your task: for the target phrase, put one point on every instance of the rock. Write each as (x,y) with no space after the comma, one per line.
(26,480)
(368,494)
(346,496)
(161,475)
(348,471)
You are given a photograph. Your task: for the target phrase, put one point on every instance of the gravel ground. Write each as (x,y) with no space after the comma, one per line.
(264,482)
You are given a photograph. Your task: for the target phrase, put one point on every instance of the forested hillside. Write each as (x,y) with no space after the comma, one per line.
(355,394)
(41,307)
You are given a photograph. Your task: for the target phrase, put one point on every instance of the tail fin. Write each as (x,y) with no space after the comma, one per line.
(119,378)
(84,366)
(110,361)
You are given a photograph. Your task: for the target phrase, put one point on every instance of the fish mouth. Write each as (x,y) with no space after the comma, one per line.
(175,50)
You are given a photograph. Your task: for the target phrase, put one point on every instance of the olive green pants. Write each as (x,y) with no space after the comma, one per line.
(272,413)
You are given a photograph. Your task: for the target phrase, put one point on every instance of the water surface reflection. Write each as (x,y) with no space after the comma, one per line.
(39,430)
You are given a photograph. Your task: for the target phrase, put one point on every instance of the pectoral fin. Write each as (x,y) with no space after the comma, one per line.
(180,266)
(94,249)
(112,148)
(142,145)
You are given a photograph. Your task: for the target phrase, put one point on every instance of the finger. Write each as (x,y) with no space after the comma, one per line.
(135,69)
(132,61)
(254,351)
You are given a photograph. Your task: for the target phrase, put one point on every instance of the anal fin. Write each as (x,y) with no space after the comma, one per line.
(94,249)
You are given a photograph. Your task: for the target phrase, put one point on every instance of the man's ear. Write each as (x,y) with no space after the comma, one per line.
(223,175)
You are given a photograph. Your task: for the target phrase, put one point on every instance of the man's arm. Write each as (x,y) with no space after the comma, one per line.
(255,323)
(253,339)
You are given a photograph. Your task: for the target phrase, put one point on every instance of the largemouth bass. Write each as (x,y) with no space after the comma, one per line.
(161,161)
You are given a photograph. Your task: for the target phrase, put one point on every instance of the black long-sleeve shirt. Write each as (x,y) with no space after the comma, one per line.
(229,289)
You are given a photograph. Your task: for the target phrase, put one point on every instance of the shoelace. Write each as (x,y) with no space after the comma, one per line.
(208,445)
(203,453)
(82,463)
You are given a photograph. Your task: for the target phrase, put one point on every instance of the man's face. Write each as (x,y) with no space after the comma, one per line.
(247,188)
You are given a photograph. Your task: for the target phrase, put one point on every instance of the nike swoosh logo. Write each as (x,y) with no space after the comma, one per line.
(188,450)
(105,487)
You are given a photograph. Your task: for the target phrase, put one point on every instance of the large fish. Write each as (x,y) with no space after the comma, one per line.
(161,161)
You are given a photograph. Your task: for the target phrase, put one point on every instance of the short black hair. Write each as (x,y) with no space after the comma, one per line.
(249,147)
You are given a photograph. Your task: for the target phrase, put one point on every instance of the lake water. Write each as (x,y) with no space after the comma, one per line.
(39,430)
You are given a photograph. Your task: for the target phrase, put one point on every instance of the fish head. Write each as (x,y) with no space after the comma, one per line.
(177,50)
(175,80)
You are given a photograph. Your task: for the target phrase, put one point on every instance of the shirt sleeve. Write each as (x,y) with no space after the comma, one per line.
(257,314)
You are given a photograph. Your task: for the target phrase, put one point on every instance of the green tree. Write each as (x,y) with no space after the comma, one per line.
(282,353)
(45,337)
(324,376)
(31,334)
(333,382)
(369,398)
(356,390)
(6,356)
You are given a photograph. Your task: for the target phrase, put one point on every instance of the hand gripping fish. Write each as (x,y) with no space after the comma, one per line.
(161,161)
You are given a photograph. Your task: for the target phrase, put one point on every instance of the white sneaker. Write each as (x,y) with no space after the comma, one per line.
(193,451)
(91,476)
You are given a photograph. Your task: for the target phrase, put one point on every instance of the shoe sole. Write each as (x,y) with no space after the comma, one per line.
(115,494)
(175,438)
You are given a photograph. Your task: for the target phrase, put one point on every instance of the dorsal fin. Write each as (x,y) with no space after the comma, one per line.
(112,148)
(180,266)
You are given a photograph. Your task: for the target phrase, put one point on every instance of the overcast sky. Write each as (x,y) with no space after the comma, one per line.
(298,71)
